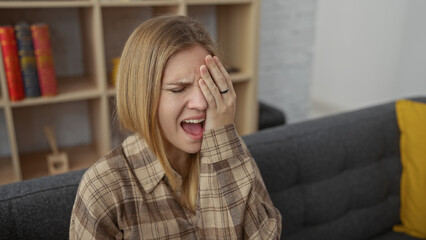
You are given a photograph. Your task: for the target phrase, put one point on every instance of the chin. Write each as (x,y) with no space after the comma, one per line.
(193,150)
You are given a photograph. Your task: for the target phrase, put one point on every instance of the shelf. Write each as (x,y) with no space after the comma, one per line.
(229,26)
(218,2)
(239,77)
(118,24)
(44,4)
(6,171)
(151,3)
(69,89)
(6,167)
(85,36)
(121,18)
(35,164)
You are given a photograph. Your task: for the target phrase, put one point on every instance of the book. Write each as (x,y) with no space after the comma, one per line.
(44,59)
(115,63)
(27,59)
(11,63)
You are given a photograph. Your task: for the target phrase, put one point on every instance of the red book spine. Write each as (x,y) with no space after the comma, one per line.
(11,63)
(44,59)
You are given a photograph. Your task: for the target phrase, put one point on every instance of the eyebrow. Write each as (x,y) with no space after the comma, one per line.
(183,82)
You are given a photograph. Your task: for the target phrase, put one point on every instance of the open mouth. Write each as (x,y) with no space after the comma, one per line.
(194,127)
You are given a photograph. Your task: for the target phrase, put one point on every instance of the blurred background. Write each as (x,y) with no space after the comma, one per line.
(329,56)
(316,57)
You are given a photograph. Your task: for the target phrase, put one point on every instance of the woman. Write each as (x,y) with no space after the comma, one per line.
(185,173)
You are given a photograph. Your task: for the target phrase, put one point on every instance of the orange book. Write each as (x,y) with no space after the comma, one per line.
(11,63)
(44,59)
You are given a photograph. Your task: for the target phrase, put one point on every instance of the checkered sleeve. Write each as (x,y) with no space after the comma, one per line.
(93,211)
(233,202)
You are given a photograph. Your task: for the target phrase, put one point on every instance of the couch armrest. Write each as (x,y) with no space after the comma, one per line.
(38,208)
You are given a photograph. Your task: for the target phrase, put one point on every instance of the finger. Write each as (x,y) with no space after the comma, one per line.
(217,75)
(214,90)
(207,94)
(225,73)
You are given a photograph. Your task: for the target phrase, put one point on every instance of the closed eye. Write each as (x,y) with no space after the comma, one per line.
(178,86)
(177,90)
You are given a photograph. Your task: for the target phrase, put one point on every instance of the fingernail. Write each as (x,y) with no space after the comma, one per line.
(209,59)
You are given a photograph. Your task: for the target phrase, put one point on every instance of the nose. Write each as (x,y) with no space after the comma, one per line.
(197,100)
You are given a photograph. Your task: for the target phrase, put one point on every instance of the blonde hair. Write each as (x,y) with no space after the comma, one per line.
(139,75)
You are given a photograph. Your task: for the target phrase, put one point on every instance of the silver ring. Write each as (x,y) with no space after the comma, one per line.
(224,91)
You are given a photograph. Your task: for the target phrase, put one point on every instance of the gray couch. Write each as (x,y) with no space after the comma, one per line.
(332,178)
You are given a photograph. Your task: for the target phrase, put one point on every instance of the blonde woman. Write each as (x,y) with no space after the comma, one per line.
(185,173)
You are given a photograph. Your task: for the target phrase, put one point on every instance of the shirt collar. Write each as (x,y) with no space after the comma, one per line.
(144,163)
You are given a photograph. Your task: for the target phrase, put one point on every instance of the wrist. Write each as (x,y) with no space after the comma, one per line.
(220,143)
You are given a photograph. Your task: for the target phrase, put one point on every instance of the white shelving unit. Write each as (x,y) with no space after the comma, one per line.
(85,36)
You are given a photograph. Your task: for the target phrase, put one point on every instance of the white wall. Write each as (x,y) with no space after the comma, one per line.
(285,55)
(411,74)
(368,52)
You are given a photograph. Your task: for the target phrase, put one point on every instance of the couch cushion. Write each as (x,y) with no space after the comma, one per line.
(332,177)
(411,120)
(394,236)
(38,208)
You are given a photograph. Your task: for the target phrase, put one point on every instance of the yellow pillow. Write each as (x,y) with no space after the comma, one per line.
(412,125)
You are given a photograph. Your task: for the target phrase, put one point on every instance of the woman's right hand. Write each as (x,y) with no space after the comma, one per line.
(219,92)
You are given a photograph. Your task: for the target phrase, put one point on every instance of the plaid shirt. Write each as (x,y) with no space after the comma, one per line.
(125,195)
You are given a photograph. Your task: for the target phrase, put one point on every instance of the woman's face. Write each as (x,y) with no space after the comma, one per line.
(182,106)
